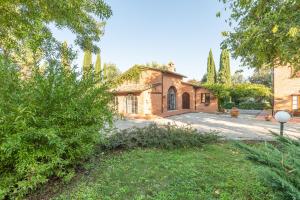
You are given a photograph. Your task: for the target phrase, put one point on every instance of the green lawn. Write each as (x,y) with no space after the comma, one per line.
(215,172)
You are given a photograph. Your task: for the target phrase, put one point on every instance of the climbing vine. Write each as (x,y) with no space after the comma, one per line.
(132,74)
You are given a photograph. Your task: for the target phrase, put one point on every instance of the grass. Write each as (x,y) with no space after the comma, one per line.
(217,171)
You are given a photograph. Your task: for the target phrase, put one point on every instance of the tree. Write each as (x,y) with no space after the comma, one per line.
(98,67)
(211,69)
(26,24)
(224,71)
(87,63)
(262,76)
(110,71)
(266,32)
(237,77)
(65,56)
(204,78)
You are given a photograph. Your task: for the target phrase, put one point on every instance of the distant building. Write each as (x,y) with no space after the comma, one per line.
(286,90)
(163,93)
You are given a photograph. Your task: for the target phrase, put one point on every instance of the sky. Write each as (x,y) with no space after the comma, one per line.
(142,31)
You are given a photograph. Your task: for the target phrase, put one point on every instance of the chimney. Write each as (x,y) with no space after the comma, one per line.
(171,67)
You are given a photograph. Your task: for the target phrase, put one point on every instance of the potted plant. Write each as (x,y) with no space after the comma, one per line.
(268,117)
(234,112)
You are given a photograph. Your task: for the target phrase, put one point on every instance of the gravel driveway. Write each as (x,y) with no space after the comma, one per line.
(246,127)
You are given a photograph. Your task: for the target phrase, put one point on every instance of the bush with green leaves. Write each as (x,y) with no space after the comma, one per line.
(254,105)
(165,137)
(281,165)
(49,123)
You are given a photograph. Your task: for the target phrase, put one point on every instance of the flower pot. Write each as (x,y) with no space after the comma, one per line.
(268,117)
(234,112)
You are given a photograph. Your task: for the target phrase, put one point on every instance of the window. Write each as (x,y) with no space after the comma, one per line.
(185,101)
(295,103)
(116,103)
(172,98)
(205,98)
(131,104)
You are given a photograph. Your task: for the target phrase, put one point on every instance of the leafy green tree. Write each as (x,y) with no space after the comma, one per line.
(98,67)
(87,63)
(26,24)
(65,61)
(237,77)
(224,71)
(110,71)
(211,69)
(262,76)
(204,78)
(265,32)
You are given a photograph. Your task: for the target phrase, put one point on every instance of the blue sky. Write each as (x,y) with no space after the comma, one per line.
(142,31)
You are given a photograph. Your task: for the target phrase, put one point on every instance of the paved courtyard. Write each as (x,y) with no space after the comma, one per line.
(246,127)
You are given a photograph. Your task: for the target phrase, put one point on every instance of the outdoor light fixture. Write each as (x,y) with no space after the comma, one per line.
(282,117)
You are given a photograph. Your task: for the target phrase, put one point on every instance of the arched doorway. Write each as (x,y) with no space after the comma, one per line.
(172,98)
(185,100)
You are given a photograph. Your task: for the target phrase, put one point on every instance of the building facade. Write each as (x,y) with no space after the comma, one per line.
(162,93)
(286,86)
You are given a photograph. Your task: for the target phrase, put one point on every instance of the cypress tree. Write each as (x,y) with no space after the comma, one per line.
(224,71)
(65,61)
(98,67)
(87,62)
(211,69)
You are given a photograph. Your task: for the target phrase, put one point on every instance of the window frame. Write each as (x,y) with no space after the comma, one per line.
(205,98)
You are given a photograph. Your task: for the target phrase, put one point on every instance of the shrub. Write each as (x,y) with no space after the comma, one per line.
(166,137)
(48,124)
(281,165)
(254,105)
(228,105)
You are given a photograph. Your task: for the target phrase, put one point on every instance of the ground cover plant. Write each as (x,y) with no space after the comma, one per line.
(281,162)
(164,137)
(49,123)
(213,171)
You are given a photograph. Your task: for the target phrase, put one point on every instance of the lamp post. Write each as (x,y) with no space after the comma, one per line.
(282,117)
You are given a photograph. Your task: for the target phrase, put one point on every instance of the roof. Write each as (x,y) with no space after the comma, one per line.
(164,71)
(194,85)
(134,88)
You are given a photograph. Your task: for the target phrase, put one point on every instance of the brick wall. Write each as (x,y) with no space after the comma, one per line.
(284,87)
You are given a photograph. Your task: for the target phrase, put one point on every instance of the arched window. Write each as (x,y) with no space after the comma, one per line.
(172,98)
(131,104)
(185,101)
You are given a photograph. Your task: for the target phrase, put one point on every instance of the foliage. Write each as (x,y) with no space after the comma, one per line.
(220,91)
(31,19)
(211,69)
(204,78)
(247,90)
(254,105)
(224,75)
(239,92)
(159,137)
(237,77)
(228,105)
(262,37)
(87,63)
(65,60)
(281,163)
(262,76)
(212,172)
(98,68)
(110,71)
(49,123)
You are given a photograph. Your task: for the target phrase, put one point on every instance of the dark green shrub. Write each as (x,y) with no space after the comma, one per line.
(254,106)
(281,165)
(228,105)
(48,124)
(166,137)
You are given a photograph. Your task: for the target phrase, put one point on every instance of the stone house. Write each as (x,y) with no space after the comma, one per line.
(160,92)
(286,88)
